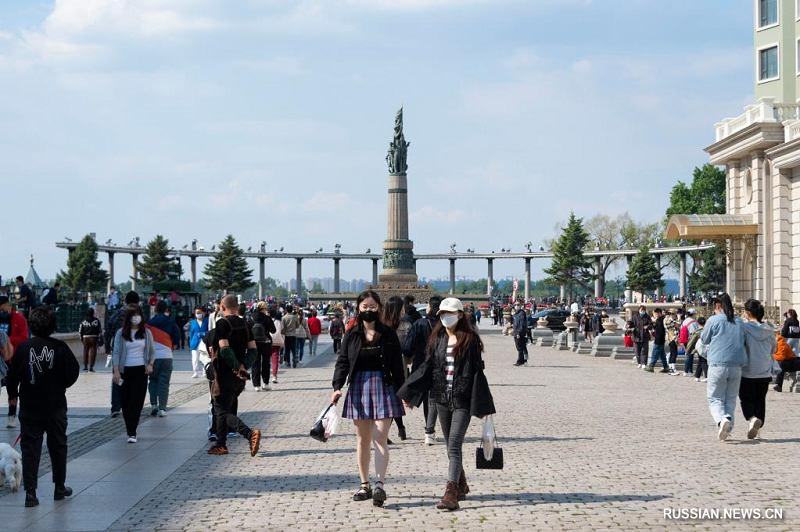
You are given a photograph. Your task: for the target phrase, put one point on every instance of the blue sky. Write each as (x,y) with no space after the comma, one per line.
(270,119)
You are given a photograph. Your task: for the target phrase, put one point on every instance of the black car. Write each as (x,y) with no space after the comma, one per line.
(555,319)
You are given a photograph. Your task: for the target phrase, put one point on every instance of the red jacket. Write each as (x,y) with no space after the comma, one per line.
(314,326)
(19,329)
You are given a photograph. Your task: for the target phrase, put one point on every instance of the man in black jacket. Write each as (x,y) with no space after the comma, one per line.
(659,339)
(43,369)
(411,311)
(414,346)
(641,336)
(520,330)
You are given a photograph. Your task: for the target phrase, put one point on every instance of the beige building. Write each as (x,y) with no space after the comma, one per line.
(760,150)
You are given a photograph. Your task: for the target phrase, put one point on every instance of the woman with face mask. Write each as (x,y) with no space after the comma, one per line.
(454,369)
(371,362)
(198,329)
(133,358)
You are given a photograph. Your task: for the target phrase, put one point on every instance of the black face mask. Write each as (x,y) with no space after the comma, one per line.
(368,315)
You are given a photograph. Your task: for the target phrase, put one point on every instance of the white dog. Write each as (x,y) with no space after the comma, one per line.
(10,466)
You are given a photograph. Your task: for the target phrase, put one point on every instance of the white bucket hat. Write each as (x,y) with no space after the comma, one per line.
(450,304)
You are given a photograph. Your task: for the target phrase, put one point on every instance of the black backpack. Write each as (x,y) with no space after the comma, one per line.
(259,332)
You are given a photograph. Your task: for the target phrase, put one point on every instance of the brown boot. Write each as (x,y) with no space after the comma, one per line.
(463,487)
(450,500)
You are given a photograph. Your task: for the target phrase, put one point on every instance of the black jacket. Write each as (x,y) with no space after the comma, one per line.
(412,313)
(89,328)
(641,328)
(470,387)
(417,340)
(43,368)
(392,357)
(660,332)
(262,334)
(791,328)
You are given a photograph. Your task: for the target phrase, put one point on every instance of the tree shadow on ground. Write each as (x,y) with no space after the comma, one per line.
(763,440)
(295,452)
(529,499)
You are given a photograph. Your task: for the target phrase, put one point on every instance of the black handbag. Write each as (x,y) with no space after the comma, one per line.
(318,430)
(497,458)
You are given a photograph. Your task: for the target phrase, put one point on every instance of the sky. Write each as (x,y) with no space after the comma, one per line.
(270,120)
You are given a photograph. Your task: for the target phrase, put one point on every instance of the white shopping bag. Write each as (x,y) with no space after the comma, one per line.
(330,420)
(489,438)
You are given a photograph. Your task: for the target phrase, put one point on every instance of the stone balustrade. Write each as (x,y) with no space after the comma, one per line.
(764,111)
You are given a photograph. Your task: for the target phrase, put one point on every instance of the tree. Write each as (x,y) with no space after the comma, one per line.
(570,266)
(709,276)
(227,270)
(705,195)
(156,264)
(317,288)
(83,268)
(643,275)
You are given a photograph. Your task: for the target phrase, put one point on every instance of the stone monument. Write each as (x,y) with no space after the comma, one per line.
(399,276)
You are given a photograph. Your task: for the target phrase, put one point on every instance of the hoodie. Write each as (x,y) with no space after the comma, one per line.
(725,341)
(759,344)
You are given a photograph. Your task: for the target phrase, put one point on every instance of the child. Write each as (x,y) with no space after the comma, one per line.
(696,347)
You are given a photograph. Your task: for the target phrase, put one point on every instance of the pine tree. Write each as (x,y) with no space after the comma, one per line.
(228,270)
(83,269)
(156,264)
(570,266)
(709,276)
(643,275)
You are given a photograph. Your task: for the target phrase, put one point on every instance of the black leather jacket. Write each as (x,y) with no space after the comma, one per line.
(470,388)
(392,357)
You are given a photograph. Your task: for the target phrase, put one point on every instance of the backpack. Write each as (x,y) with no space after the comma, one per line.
(259,332)
(683,337)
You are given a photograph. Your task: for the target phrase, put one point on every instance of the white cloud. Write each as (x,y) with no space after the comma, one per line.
(429,214)
(328,202)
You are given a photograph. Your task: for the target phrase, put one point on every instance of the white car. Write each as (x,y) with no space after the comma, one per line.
(325,321)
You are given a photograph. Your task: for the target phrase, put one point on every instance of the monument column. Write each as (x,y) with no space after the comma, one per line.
(490,278)
(299,276)
(598,283)
(527,279)
(110,271)
(374,272)
(628,291)
(262,267)
(562,292)
(452,276)
(682,275)
(135,271)
(336,276)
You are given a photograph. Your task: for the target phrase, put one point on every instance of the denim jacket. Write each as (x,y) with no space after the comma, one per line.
(725,341)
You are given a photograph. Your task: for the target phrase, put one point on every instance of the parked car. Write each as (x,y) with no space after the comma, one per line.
(555,318)
(324,320)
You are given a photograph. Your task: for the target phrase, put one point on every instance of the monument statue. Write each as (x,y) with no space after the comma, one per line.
(398,148)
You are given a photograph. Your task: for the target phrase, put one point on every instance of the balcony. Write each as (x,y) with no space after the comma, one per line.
(766,110)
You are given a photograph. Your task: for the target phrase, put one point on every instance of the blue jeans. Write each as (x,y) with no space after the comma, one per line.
(658,353)
(722,391)
(689,364)
(301,342)
(159,383)
(312,344)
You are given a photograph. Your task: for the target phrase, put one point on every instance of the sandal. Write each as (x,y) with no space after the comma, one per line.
(378,496)
(364,493)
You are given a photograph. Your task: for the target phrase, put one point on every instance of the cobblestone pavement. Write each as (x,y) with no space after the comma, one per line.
(589,444)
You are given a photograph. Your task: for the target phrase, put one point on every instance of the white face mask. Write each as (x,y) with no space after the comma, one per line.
(136,320)
(449,320)
(199,316)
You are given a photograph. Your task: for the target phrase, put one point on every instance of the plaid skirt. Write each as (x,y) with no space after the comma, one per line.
(368,398)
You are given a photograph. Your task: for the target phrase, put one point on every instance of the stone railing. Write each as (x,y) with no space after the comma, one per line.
(784,111)
(763,111)
(791,130)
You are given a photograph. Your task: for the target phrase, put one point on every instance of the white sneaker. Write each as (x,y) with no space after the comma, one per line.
(755,425)
(131,439)
(639,366)
(195,375)
(724,430)
(108,361)
(274,379)
(703,379)
(687,374)
(257,389)
(673,373)
(430,439)
(265,388)
(697,379)
(162,413)
(12,422)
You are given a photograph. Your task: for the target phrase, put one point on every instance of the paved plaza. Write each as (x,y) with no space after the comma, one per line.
(589,444)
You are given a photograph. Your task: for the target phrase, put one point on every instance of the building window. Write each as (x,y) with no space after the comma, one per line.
(768,64)
(767,13)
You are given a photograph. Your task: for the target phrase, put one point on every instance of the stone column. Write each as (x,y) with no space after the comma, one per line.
(452,276)
(598,282)
(110,271)
(193,266)
(299,276)
(527,279)
(490,278)
(628,291)
(262,267)
(659,290)
(336,276)
(562,292)
(415,265)
(682,274)
(374,272)
(134,277)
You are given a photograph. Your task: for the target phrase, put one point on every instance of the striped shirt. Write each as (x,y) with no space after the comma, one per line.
(450,369)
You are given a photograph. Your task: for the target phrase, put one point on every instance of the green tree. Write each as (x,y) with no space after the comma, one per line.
(643,275)
(709,276)
(83,268)
(570,266)
(227,270)
(317,288)
(156,264)
(705,195)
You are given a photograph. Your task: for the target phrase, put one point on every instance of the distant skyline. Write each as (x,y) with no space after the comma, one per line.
(271,120)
